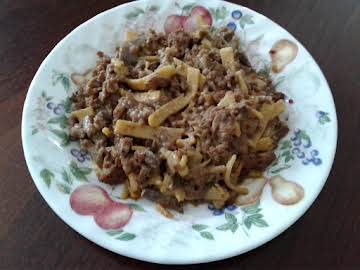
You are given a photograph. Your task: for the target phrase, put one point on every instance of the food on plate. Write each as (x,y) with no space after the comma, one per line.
(178,117)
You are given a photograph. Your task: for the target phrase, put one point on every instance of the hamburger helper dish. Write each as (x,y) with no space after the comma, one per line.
(179,117)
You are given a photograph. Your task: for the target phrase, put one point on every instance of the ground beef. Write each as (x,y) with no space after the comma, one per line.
(111,171)
(158,82)
(217,128)
(258,161)
(77,132)
(180,42)
(163,200)
(218,132)
(128,108)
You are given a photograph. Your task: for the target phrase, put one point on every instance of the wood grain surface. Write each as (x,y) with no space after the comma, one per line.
(33,237)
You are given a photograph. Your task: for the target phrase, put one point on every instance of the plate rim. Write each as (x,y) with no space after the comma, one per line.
(255,243)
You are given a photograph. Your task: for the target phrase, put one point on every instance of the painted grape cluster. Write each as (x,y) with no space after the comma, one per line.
(57,109)
(218,212)
(240,19)
(80,155)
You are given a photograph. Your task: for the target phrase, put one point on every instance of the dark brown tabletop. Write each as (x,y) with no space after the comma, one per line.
(326,237)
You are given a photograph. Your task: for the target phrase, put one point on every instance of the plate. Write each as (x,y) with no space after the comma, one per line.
(201,234)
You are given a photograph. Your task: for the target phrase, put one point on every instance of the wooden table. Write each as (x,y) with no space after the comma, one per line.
(33,237)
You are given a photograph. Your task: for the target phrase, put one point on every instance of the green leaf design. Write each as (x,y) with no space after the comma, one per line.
(248,223)
(63,188)
(136,207)
(245,20)
(47,176)
(154,8)
(65,139)
(260,223)
(230,218)
(186,8)
(207,235)
(251,209)
(218,13)
(65,82)
(287,155)
(213,12)
(44,95)
(126,237)
(279,81)
(280,169)
(275,162)
(255,216)
(134,14)
(62,78)
(288,158)
(286,144)
(61,120)
(224,227)
(199,227)
(255,219)
(303,135)
(116,232)
(234,227)
(34,131)
(66,177)
(79,172)
(265,71)
(67,105)
(324,119)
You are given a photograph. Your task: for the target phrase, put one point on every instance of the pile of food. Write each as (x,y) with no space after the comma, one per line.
(178,118)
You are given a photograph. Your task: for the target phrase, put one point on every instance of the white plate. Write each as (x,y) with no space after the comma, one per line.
(197,236)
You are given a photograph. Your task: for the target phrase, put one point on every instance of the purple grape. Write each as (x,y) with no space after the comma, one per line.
(320,114)
(75,152)
(314,153)
(81,158)
(317,161)
(58,110)
(51,105)
(230,207)
(85,155)
(236,14)
(211,207)
(231,26)
(218,212)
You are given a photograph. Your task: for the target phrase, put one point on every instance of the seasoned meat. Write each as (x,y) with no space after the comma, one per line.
(129,108)
(230,118)
(163,200)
